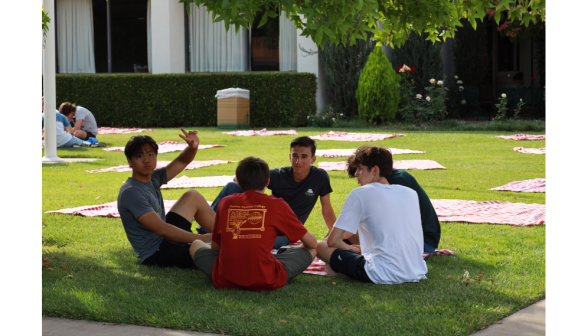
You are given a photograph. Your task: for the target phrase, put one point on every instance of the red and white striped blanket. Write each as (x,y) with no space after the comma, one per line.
(166,147)
(521,136)
(491,212)
(351,151)
(263,132)
(534,185)
(160,164)
(344,136)
(112,130)
(105,210)
(197,182)
(317,266)
(541,150)
(398,164)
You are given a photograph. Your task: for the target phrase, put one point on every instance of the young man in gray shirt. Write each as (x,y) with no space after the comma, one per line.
(158,239)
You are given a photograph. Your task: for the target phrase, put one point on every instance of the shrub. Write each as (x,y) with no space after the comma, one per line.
(174,100)
(343,65)
(326,117)
(377,92)
(420,107)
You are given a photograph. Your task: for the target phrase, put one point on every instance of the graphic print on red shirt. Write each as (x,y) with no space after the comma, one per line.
(245,227)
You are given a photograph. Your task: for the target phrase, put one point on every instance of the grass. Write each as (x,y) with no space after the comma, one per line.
(453,125)
(107,282)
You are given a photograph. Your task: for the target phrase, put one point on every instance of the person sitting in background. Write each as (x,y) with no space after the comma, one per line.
(85,125)
(245,228)
(63,137)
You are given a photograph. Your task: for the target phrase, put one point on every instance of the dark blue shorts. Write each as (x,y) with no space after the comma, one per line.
(350,264)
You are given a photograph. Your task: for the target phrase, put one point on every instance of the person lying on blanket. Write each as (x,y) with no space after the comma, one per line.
(387,220)
(429,219)
(300,185)
(245,229)
(158,239)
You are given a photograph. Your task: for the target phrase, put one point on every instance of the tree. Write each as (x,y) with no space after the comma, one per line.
(349,20)
(46,21)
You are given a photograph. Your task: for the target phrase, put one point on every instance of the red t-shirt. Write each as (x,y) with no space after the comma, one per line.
(245,228)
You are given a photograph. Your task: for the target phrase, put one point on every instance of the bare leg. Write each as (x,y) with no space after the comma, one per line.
(324,253)
(196,245)
(192,205)
(81,135)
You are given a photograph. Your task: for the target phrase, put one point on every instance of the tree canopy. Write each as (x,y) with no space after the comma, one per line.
(391,21)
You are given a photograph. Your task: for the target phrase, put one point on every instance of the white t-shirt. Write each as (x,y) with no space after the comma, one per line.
(88,121)
(61,135)
(388,220)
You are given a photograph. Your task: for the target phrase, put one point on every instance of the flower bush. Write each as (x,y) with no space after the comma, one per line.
(326,117)
(421,110)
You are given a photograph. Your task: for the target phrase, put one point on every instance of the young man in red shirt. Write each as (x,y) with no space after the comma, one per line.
(245,228)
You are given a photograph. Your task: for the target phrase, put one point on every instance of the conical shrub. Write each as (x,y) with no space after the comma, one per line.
(378,89)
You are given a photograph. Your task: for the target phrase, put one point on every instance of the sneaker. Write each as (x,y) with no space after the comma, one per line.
(84,144)
(98,144)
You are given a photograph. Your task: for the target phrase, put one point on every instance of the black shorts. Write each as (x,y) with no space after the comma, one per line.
(172,253)
(349,263)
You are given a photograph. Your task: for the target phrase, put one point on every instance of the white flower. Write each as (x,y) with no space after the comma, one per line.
(440,82)
(455,77)
(461,88)
(459,82)
(463,102)
(428,99)
(432,80)
(341,114)
(419,96)
(334,120)
(504,95)
(307,117)
(323,118)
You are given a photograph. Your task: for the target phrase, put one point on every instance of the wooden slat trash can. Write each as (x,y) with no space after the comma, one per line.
(233,108)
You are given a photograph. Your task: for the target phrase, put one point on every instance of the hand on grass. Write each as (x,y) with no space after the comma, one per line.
(191,138)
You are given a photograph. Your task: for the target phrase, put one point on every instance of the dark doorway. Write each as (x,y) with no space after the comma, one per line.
(100,36)
(505,54)
(128,35)
(265,54)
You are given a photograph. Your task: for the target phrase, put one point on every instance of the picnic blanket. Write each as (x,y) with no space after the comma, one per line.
(491,212)
(166,147)
(112,130)
(351,151)
(534,185)
(344,136)
(399,164)
(191,165)
(105,210)
(317,266)
(197,182)
(521,136)
(541,150)
(263,132)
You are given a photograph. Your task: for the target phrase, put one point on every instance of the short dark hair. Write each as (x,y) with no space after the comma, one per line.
(252,173)
(67,108)
(371,156)
(136,142)
(304,141)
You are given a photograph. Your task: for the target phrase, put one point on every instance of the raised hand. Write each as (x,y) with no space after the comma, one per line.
(191,138)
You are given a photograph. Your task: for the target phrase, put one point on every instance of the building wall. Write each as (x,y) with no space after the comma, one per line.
(311,63)
(167,36)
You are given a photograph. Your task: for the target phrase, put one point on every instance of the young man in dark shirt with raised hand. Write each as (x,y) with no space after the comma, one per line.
(300,185)
(158,239)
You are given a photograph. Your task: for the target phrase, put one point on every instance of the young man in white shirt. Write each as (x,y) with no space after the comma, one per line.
(85,126)
(387,220)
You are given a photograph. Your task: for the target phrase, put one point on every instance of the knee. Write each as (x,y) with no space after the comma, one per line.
(80,134)
(196,245)
(193,195)
(321,246)
(232,188)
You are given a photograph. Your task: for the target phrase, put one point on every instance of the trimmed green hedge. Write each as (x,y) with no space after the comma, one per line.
(174,100)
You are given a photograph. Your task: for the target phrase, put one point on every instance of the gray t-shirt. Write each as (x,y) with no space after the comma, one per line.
(88,121)
(136,199)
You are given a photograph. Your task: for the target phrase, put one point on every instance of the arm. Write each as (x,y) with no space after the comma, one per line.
(327,211)
(308,240)
(187,155)
(336,240)
(77,126)
(69,130)
(152,221)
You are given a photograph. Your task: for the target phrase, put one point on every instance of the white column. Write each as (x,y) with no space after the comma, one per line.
(167,36)
(311,63)
(49,87)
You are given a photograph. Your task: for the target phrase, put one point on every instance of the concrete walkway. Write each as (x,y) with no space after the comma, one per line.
(529,321)
(70,160)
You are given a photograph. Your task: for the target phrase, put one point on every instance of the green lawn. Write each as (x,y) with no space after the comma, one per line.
(107,282)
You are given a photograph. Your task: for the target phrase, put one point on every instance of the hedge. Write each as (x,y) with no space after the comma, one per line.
(173,100)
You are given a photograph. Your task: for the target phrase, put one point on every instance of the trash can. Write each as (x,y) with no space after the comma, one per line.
(233,108)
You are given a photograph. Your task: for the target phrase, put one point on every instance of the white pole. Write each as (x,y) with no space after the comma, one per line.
(49,87)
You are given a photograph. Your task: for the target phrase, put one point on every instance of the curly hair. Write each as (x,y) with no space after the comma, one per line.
(67,108)
(370,156)
(136,142)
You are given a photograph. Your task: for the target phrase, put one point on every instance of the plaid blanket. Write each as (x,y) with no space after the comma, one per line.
(105,210)
(166,147)
(160,164)
(535,185)
(521,136)
(349,152)
(344,136)
(197,182)
(541,150)
(317,266)
(491,212)
(112,130)
(400,164)
(263,132)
